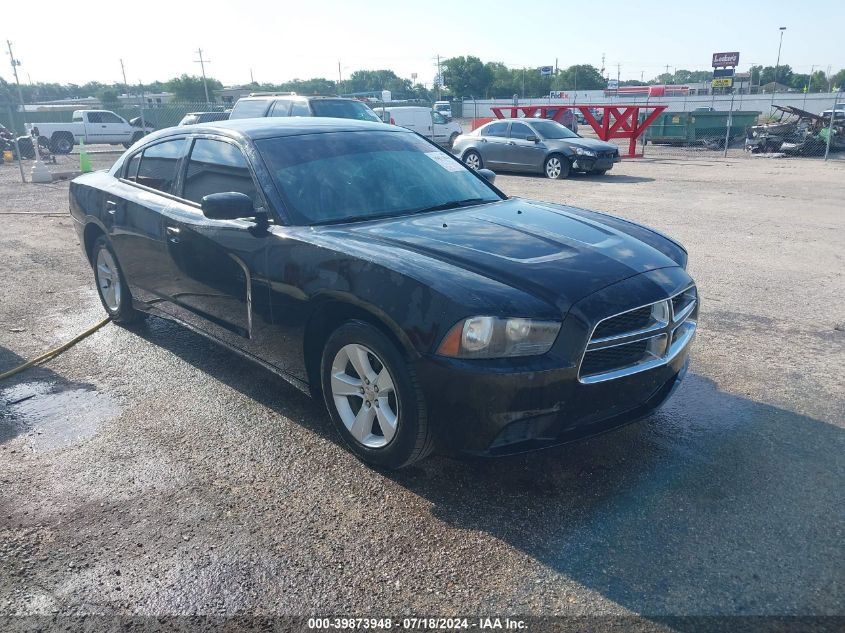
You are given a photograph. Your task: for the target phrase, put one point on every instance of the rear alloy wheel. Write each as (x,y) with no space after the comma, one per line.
(111,285)
(472,159)
(373,398)
(556,167)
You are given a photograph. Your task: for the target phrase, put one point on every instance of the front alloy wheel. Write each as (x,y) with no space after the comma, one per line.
(556,167)
(373,398)
(364,395)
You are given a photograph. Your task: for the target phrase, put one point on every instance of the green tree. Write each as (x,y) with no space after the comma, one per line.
(108,97)
(782,75)
(837,80)
(190,88)
(466,76)
(579,77)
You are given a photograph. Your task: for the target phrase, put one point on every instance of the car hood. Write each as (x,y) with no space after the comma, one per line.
(587,143)
(558,254)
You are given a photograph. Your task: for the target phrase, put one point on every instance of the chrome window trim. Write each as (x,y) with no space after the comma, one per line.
(675,323)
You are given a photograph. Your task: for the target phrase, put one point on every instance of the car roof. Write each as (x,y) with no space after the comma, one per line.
(272,127)
(281,97)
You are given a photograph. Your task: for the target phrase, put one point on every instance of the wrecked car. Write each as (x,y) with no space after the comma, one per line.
(795,131)
(375,271)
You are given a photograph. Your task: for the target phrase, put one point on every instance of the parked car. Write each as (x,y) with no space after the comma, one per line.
(537,146)
(91,126)
(294,105)
(423,121)
(370,268)
(838,108)
(444,108)
(203,117)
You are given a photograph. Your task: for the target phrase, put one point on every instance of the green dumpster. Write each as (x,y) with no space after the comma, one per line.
(688,128)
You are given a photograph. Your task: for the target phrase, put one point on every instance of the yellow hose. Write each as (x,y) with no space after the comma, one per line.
(55,351)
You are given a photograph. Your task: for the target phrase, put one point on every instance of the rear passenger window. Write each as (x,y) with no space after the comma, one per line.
(217,167)
(300,108)
(495,129)
(249,108)
(158,165)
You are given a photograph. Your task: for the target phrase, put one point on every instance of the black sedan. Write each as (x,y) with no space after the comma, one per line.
(537,146)
(370,268)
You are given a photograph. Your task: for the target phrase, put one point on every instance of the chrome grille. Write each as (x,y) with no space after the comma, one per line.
(639,339)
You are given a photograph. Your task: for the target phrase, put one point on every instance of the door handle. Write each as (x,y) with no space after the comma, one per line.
(102,126)
(173,232)
(511,143)
(111,206)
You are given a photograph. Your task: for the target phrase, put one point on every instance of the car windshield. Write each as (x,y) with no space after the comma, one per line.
(553,130)
(343,109)
(350,176)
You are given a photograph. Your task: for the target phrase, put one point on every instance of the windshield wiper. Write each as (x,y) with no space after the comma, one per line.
(455,204)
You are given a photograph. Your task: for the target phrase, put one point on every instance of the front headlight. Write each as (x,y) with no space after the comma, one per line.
(583,152)
(495,337)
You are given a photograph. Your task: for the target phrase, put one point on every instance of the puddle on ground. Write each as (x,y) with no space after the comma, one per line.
(52,415)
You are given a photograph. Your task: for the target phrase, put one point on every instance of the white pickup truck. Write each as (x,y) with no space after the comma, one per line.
(91,126)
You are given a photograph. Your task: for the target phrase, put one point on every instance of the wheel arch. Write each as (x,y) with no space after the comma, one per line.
(328,312)
(90,234)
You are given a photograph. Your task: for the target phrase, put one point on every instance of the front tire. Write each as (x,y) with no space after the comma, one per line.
(373,397)
(556,167)
(111,284)
(472,159)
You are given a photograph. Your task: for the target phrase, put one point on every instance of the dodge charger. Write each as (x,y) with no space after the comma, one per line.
(373,270)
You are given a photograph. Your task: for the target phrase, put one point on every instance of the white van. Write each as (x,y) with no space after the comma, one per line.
(423,121)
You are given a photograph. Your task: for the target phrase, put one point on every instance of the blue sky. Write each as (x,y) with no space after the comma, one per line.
(283,40)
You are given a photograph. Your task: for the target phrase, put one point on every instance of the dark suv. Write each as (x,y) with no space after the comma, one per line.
(295,105)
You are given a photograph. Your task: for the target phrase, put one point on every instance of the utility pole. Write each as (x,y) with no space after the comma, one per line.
(251,78)
(602,65)
(777,67)
(15,64)
(339,79)
(439,78)
(125,84)
(807,88)
(202,62)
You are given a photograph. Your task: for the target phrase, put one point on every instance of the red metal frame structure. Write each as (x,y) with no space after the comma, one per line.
(625,119)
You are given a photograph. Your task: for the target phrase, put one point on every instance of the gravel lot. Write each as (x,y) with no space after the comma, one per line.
(149,472)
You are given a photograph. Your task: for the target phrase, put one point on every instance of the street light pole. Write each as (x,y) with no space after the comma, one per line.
(777,67)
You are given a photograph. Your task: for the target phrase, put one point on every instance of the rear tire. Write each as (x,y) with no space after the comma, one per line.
(556,167)
(472,159)
(137,136)
(111,284)
(452,140)
(62,143)
(373,397)
(599,172)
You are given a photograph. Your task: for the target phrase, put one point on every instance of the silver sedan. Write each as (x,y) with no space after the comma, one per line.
(539,146)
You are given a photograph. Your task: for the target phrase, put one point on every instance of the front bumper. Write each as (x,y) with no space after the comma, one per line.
(481,412)
(501,406)
(592,163)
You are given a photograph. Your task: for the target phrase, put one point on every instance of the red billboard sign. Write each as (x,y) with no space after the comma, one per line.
(721,60)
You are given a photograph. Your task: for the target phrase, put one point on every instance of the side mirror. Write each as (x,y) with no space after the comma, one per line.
(230,205)
(532,139)
(488,175)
